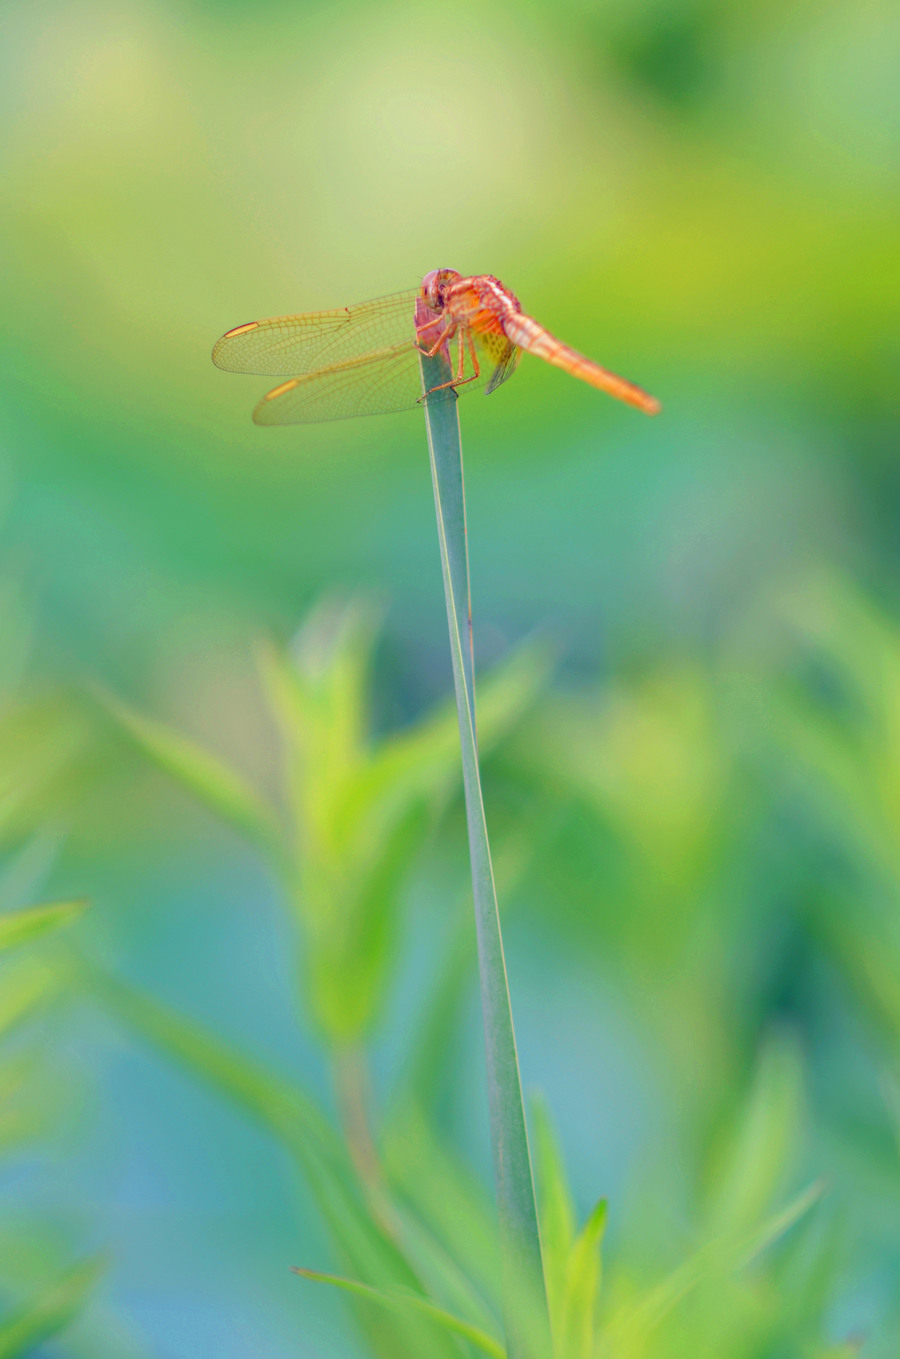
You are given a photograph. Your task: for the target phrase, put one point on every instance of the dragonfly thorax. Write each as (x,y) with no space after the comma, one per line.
(495,296)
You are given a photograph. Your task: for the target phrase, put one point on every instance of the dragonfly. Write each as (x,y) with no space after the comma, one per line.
(367,359)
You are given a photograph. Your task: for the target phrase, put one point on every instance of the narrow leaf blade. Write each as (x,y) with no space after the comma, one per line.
(557,1215)
(527,1320)
(411,1302)
(582,1281)
(208,779)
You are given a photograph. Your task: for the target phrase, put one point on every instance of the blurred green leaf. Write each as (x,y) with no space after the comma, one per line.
(40,778)
(25,872)
(648,756)
(556,1210)
(798,1288)
(18,927)
(835,715)
(410,1302)
(455,1281)
(428,1073)
(361,809)
(261,1092)
(25,987)
(756,1154)
(626,1330)
(319,693)
(213,783)
(352,925)
(449,1211)
(49,1313)
(429,1068)
(424,759)
(14,1121)
(869,957)
(778,1224)
(354,1218)
(575,1336)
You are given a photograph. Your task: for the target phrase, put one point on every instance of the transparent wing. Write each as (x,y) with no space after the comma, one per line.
(502,354)
(374,387)
(285,346)
(382,381)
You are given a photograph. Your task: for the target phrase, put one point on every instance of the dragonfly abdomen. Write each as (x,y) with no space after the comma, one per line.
(528,334)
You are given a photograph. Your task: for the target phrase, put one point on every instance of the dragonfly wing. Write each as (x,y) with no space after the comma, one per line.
(375,386)
(285,346)
(502,355)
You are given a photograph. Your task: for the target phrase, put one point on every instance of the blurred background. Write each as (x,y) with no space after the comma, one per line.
(701,195)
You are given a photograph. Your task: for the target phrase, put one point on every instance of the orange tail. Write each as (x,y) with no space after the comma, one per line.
(527,334)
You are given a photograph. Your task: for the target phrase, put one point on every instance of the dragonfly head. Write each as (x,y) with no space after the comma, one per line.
(435,285)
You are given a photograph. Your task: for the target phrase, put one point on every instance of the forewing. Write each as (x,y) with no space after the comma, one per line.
(285,346)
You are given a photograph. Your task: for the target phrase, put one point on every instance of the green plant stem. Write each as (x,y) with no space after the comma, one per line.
(525,1305)
(351,1079)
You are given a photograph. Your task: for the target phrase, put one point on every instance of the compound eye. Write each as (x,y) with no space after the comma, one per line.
(431,291)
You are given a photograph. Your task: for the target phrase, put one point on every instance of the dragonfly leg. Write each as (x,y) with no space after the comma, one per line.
(475,363)
(441,339)
(466,338)
(459,380)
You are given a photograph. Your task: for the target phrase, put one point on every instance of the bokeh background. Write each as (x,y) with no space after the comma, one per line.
(703,196)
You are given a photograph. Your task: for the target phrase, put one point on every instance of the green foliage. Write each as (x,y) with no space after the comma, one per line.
(208,779)
(39,737)
(733,1291)
(27,986)
(19,927)
(837,718)
(758,1145)
(44,1316)
(836,737)
(413,1303)
(445,1213)
(724,1310)
(700,192)
(718,1295)
(356,811)
(359,1214)
(355,815)
(557,1212)
(574,1328)
(412,1230)
(751,1270)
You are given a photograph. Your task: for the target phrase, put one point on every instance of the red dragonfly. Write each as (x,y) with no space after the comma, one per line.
(365,360)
